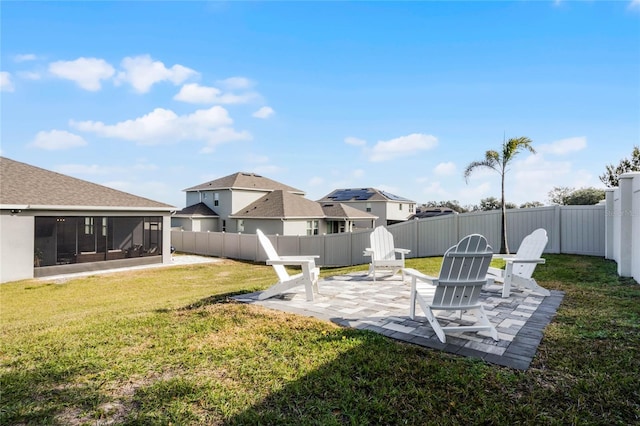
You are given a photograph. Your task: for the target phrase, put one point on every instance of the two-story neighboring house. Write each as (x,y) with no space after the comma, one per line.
(244,202)
(220,198)
(387,207)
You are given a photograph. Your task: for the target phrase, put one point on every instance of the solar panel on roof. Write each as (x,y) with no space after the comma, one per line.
(393,197)
(351,194)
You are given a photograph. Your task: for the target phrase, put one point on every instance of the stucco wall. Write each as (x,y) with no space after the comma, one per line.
(16,246)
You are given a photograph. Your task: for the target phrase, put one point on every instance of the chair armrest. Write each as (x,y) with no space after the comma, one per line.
(403,251)
(367,252)
(419,275)
(518,260)
(293,260)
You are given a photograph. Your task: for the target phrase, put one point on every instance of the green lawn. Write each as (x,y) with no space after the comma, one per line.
(167,346)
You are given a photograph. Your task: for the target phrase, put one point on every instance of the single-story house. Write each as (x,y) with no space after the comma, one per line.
(389,208)
(52,224)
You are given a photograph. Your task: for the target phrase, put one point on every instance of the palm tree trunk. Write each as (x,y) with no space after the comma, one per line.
(504,246)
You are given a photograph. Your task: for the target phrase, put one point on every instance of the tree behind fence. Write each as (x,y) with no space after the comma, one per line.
(571,229)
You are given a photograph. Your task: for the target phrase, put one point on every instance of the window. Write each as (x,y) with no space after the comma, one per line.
(88,226)
(368,207)
(224,225)
(400,207)
(216,199)
(240,225)
(312,227)
(410,208)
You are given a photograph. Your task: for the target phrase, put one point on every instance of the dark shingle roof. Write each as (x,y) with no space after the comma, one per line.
(23,184)
(361,194)
(200,209)
(241,180)
(341,211)
(281,204)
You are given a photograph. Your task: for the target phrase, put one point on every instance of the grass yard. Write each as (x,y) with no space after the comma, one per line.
(166,346)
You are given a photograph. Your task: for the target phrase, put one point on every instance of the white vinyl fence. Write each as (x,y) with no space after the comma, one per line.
(571,229)
(623,225)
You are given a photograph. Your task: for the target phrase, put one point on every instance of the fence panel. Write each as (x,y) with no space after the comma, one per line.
(522,222)
(571,229)
(436,234)
(582,230)
(484,223)
(405,236)
(248,247)
(216,244)
(337,250)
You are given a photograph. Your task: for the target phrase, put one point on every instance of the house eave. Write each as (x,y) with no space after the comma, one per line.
(85,208)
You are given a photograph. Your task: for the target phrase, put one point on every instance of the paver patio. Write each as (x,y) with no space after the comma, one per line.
(354,300)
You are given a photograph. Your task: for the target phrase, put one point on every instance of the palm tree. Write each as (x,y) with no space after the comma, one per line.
(499,161)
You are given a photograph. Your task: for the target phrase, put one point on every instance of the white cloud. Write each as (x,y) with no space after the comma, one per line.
(264,112)
(402,147)
(435,191)
(564,146)
(634,5)
(54,140)
(142,73)
(29,75)
(24,58)
(163,126)
(350,140)
(6,85)
(236,83)
(195,94)
(445,169)
(85,72)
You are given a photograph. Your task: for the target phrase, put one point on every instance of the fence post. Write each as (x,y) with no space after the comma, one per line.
(557,229)
(608,223)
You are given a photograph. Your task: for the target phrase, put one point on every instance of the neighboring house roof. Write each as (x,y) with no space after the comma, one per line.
(25,186)
(247,181)
(432,212)
(280,204)
(200,209)
(362,194)
(342,211)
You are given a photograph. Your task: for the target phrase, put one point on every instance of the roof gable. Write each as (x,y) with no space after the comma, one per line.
(23,184)
(281,205)
(248,181)
(200,209)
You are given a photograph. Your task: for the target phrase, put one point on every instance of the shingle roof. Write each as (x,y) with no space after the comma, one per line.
(361,195)
(200,209)
(23,184)
(281,204)
(341,211)
(241,180)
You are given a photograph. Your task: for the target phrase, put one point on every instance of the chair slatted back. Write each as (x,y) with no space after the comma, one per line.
(272,254)
(531,247)
(463,272)
(382,244)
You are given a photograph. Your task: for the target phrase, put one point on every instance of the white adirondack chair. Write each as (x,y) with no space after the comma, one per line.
(462,274)
(520,266)
(384,255)
(308,277)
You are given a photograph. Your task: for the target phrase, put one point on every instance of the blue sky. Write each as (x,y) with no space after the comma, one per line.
(154,97)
